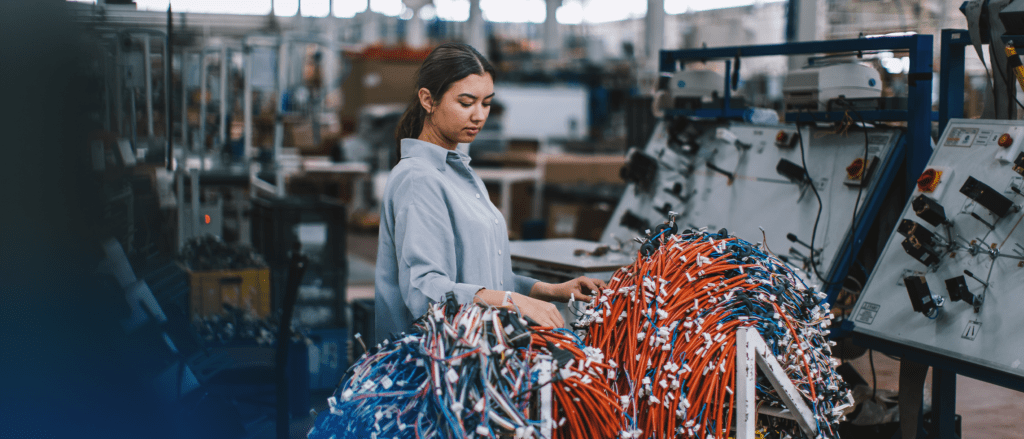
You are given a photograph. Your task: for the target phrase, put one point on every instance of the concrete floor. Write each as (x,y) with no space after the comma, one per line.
(988,411)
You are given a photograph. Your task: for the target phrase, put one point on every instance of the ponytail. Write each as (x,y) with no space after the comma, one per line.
(409,126)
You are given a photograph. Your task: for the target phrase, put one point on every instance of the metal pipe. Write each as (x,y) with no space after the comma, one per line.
(194,192)
(118,84)
(168,59)
(133,121)
(222,126)
(106,92)
(147,68)
(184,100)
(247,60)
(179,182)
(202,103)
(282,86)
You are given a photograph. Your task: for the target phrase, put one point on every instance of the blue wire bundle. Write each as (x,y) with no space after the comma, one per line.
(463,370)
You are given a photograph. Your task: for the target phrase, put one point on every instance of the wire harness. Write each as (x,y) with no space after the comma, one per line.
(474,371)
(667,323)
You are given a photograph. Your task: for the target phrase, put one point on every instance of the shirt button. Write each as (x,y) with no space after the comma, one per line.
(478,195)
(499,252)
(501,282)
(495,221)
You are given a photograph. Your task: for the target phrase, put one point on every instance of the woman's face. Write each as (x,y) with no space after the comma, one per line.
(461,112)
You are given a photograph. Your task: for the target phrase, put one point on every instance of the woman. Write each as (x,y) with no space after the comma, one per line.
(439,231)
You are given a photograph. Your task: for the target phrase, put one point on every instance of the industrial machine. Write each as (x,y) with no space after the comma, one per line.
(695,84)
(809,192)
(948,281)
(812,87)
(793,189)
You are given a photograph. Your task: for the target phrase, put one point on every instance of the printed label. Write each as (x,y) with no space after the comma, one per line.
(961,137)
(867,313)
(971,330)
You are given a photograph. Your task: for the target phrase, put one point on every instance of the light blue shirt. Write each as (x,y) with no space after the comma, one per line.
(439,232)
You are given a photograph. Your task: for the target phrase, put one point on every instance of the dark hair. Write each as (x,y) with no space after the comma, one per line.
(447,64)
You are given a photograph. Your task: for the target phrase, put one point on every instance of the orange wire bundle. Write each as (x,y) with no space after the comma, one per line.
(668,322)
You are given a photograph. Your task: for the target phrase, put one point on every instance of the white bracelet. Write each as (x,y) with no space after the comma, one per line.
(508,299)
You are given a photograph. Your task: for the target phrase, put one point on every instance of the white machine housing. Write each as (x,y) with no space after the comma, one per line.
(812,87)
(696,84)
(988,337)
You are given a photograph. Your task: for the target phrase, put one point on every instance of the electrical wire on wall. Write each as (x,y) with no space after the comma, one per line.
(668,324)
(474,370)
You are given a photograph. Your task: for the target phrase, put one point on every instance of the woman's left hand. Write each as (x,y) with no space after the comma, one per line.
(581,288)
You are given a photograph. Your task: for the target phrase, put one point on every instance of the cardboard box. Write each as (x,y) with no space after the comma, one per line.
(562,219)
(522,205)
(567,168)
(583,169)
(577,220)
(379,75)
(244,289)
(298,133)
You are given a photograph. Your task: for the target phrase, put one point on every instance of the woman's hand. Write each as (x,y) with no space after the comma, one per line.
(581,288)
(544,313)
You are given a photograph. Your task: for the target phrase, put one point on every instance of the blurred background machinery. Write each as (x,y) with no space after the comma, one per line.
(217,137)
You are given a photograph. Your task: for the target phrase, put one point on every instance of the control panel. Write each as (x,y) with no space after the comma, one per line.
(760,182)
(950,280)
(657,178)
(796,190)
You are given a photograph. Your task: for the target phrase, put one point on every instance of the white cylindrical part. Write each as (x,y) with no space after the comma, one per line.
(552,40)
(654,29)
(475,36)
(184,100)
(806,29)
(222,128)
(247,60)
(202,103)
(416,32)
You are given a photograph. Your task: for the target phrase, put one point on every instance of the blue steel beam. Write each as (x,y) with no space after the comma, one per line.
(951,75)
(667,58)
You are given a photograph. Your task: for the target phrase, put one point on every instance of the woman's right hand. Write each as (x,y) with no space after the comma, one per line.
(544,313)
(541,312)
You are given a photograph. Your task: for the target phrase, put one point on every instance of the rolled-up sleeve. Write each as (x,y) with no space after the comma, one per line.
(425,247)
(523,284)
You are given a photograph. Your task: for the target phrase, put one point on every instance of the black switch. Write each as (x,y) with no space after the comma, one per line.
(929,210)
(633,222)
(640,168)
(920,252)
(920,295)
(910,228)
(792,171)
(984,195)
(957,289)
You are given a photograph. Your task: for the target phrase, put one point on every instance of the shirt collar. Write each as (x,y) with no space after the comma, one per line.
(434,154)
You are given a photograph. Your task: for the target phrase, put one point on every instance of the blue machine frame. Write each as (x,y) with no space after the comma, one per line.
(917,142)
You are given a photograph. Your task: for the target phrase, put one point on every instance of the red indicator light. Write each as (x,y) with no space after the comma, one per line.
(1005,140)
(206,218)
(929,180)
(856,169)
